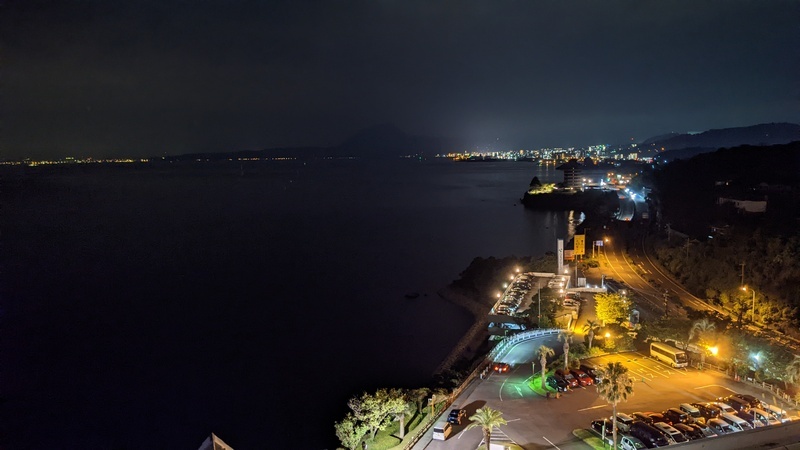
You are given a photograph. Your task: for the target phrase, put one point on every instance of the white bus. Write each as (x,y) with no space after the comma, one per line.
(668,354)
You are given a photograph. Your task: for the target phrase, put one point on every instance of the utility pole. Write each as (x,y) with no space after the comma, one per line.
(742,264)
(539,321)
(666,303)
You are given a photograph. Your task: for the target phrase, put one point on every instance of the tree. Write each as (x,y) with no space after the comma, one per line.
(543,353)
(401,409)
(487,418)
(418,396)
(590,328)
(612,308)
(350,432)
(701,331)
(566,336)
(375,410)
(793,370)
(615,386)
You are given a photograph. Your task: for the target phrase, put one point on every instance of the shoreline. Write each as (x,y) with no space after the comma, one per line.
(471,341)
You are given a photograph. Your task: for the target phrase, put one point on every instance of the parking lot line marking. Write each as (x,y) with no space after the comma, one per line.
(638,363)
(593,407)
(548,440)
(714,385)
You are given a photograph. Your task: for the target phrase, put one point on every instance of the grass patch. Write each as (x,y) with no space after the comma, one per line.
(535,383)
(590,439)
(384,441)
(414,422)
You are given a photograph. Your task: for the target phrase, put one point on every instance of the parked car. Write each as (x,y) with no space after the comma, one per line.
(557,383)
(642,417)
(719,427)
(649,436)
(754,402)
(723,407)
(705,429)
(582,377)
(603,427)
(739,404)
(589,370)
(747,417)
(778,412)
(675,415)
(457,415)
(689,431)
(658,417)
(692,411)
(627,442)
(624,422)
(442,430)
(705,411)
(737,423)
(566,376)
(762,418)
(672,434)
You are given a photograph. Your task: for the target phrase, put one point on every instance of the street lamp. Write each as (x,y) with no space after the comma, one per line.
(539,318)
(753,313)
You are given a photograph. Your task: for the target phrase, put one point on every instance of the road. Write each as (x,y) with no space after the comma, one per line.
(627,259)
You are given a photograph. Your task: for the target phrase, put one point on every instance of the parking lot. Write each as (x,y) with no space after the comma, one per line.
(537,422)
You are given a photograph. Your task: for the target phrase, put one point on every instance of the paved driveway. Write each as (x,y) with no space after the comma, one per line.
(536,422)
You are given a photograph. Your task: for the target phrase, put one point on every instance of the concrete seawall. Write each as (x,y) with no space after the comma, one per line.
(475,335)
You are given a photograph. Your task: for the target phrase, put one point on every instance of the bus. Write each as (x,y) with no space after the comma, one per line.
(668,354)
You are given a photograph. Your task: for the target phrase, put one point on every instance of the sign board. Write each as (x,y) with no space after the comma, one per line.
(580,244)
(569,255)
(598,243)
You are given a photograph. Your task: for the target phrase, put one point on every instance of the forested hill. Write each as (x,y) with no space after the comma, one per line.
(688,190)
(674,146)
(723,237)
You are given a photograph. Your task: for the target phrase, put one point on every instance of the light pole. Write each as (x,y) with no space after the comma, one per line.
(753,312)
(539,319)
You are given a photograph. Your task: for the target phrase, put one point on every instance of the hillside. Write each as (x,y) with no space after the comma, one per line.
(682,146)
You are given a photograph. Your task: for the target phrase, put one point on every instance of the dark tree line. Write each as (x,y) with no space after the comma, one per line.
(722,237)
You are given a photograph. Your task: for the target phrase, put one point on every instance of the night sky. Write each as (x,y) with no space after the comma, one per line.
(140,78)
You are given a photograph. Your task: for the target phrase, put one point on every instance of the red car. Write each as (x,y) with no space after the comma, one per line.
(566,376)
(582,377)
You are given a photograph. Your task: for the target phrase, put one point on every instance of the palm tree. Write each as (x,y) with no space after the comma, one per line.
(544,351)
(590,327)
(701,330)
(615,385)
(793,370)
(566,336)
(486,418)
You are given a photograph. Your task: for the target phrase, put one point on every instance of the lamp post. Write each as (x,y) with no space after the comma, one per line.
(753,312)
(539,318)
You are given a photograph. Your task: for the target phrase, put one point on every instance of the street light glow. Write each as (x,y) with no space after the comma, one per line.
(713,350)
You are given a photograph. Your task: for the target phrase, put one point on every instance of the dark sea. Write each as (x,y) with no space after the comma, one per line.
(151,305)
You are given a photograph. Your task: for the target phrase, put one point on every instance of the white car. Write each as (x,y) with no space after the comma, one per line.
(630,443)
